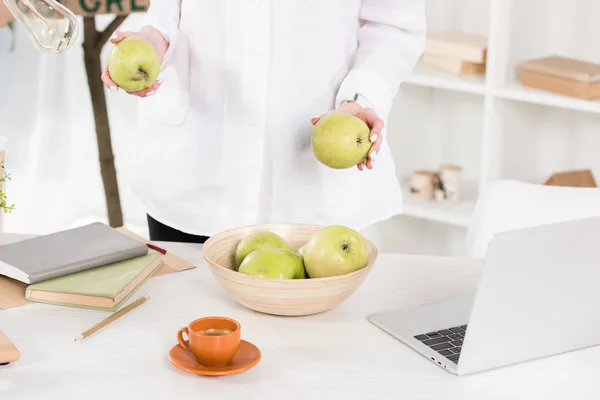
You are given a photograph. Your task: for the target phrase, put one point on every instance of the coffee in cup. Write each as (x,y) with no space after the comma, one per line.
(213,341)
(215,332)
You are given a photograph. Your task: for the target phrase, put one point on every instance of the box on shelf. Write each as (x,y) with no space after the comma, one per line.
(566,76)
(444,185)
(577,178)
(451,182)
(458,45)
(453,65)
(423,185)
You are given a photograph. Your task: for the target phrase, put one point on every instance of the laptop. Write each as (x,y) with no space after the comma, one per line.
(8,352)
(538,296)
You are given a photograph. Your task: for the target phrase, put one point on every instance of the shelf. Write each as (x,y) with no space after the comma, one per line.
(523,94)
(458,214)
(433,78)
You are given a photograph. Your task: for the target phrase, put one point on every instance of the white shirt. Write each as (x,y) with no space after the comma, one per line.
(225,142)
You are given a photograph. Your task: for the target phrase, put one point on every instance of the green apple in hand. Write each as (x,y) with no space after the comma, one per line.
(335,250)
(274,264)
(257,240)
(133,64)
(340,140)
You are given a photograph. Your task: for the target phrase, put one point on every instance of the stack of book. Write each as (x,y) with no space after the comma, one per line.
(92,266)
(456,52)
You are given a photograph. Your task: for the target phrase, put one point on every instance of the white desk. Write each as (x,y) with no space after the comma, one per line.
(338,354)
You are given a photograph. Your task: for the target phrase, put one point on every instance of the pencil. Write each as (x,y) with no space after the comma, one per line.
(113,317)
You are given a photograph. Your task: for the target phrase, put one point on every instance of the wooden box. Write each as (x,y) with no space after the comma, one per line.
(576,178)
(453,65)
(458,45)
(565,76)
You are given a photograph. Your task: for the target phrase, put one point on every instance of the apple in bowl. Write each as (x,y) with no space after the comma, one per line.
(290,294)
(331,251)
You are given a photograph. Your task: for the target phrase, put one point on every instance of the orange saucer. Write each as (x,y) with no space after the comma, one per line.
(247,357)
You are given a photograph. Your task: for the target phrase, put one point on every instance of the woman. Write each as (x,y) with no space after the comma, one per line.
(224,134)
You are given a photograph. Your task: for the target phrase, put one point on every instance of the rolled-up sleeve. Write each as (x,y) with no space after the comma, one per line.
(164,15)
(391,40)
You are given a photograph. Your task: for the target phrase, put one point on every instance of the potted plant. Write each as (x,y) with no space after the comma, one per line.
(4,205)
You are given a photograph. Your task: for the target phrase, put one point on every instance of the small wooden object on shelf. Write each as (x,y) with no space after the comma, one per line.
(576,178)
(564,76)
(458,45)
(456,52)
(423,185)
(450,176)
(453,65)
(443,186)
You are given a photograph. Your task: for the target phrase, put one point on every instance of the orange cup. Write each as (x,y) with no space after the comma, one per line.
(213,341)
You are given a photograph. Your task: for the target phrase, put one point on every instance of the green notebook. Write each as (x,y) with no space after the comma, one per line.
(101,288)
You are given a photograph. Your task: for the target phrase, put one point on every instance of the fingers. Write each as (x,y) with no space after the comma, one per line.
(317,119)
(371,119)
(374,149)
(376,136)
(108,82)
(120,35)
(151,91)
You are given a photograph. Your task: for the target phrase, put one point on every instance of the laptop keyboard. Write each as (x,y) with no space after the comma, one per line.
(447,342)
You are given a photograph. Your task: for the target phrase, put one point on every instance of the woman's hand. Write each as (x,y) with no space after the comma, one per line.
(373,122)
(157,41)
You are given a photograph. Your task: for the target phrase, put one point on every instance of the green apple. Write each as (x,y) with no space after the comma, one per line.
(302,272)
(133,64)
(340,140)
(274,264)
(301,250)
(258,240)
(335,250)
(301,254)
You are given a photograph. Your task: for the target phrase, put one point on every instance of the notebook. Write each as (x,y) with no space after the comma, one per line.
(101,288)
(62,253)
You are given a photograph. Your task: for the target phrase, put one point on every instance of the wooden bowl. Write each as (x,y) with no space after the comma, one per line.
(292,297)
